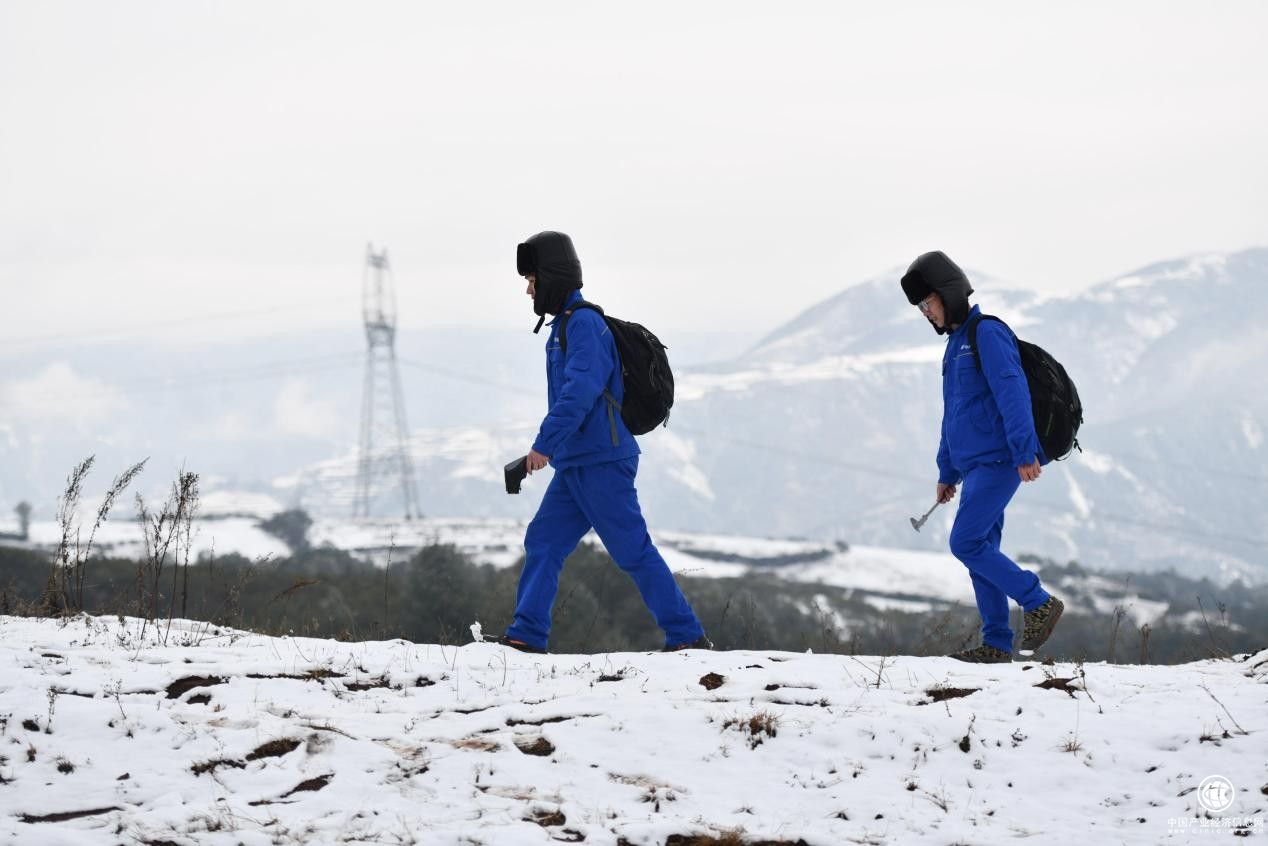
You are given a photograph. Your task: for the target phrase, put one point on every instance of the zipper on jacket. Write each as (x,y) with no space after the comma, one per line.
(612,415)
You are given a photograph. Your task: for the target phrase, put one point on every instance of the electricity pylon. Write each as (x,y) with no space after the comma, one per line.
(384,433)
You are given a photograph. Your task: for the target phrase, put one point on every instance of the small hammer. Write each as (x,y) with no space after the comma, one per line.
(916,524)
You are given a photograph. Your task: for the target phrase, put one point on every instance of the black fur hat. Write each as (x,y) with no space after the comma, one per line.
(932,272)
(553,258)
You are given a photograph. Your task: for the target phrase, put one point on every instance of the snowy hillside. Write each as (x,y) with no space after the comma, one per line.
(223,737)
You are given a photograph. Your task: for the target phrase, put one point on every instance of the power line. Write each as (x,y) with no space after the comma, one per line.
(1203,468)
(132,329)
(467,377)
(215,378)
(1163,528)
(822,459)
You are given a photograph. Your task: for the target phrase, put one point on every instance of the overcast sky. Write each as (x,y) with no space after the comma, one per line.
(718,164)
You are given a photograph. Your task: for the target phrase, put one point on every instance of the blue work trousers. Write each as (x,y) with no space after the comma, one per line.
(601,496)
(975,539)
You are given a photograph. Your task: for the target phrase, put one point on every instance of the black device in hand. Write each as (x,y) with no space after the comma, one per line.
(516,472)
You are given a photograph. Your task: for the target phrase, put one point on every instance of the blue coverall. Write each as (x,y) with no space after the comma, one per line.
(988,431)
(595,459)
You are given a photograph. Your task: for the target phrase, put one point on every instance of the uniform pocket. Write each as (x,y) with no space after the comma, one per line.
(555,361)
(983,414)
(968,379)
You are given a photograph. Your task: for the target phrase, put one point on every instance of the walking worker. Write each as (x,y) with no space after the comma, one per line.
(595,459)
(988,447)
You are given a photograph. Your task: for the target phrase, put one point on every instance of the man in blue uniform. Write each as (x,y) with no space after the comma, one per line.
(595,459)
(989,447)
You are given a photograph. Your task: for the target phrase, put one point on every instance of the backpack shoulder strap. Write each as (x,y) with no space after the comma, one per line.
(563,346)
(977,356)
(566,316)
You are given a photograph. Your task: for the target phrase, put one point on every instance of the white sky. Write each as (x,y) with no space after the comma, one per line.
(718,164)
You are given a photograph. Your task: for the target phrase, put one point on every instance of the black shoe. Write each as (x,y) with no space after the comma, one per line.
(1038,624)
(701,642)
(983,654)
(520,645)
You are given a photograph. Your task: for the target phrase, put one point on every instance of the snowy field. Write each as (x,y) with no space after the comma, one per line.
(110,736)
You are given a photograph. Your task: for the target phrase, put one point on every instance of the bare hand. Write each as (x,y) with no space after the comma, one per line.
(536,460)
(946,493)
(1030,472)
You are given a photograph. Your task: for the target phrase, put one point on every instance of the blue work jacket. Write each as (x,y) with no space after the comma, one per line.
(986,414)
(583,425)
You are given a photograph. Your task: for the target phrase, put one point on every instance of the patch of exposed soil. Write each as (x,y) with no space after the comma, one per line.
(941,694)
(188,683)
(65,815)
(538,746)
(274,748)
(712,681)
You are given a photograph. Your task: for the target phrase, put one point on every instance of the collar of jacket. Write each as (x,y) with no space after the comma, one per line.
(959,330)
(573,298)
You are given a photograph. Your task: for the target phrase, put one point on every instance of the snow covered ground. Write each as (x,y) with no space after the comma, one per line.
(109,736)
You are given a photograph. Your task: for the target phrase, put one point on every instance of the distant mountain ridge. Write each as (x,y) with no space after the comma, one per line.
(827,427)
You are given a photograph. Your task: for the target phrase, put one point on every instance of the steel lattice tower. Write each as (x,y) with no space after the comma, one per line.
(384,432)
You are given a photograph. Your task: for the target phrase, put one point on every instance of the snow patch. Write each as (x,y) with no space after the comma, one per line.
(1252,431)
(1151,326)
(684,468)
(888,571)
(1082,505)
(693,386)
(1139,611)
(825,611)
(890,603)
(1097,462)
(1129,282)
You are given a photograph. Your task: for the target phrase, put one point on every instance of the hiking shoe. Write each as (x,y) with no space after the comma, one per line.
(1040,623)
(520,645)
(983,654)
(701,642)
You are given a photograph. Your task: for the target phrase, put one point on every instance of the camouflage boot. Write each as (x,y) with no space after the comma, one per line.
(1040,623)
(701,642)
(983,654)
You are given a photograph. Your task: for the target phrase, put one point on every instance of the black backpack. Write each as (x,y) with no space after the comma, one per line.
(1054,401)
(645,373)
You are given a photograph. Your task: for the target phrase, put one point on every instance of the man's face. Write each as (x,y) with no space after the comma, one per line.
(531,290)
(933,310)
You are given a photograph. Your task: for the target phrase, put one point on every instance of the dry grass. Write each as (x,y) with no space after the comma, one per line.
(1071,744)
(475,744)
(64,592)
(756,728)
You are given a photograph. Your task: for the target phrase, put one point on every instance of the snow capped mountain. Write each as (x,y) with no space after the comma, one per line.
(839,436)
(827,427)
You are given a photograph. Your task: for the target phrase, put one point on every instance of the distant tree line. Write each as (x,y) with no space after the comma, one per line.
(436,595)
